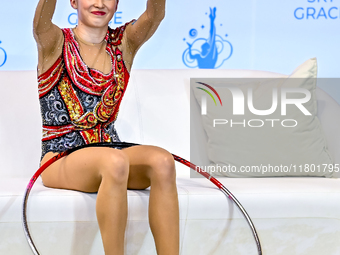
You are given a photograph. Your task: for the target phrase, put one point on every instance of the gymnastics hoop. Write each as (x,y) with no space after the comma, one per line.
(126,145)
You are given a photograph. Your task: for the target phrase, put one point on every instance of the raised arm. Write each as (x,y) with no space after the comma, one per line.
(47,35)
(140,31)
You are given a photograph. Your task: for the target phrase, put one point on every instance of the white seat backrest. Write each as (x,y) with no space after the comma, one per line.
(155,110)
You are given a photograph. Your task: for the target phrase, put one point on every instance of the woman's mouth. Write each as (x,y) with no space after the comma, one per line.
(99,13)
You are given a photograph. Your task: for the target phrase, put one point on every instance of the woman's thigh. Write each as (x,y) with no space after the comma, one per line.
(83,169)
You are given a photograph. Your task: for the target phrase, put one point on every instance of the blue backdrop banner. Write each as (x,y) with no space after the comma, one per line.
(270,35)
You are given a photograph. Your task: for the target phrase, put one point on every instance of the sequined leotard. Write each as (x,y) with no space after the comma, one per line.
(79,105)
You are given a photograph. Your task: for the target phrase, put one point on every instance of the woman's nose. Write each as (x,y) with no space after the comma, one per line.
(99,3)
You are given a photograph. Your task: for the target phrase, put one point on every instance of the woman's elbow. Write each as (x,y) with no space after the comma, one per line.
(156,15)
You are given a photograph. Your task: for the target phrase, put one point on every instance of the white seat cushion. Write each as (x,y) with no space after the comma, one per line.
(55,214)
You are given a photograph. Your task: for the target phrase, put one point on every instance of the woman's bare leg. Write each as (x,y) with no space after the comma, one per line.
(155,166)
(105,170)
(97,169)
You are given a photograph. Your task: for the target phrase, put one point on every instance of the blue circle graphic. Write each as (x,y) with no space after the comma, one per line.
(5,58)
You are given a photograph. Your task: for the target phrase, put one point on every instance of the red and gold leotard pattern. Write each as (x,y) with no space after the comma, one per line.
(79,105)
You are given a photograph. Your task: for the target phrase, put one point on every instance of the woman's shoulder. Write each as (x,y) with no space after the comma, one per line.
(116,34)
(51,51)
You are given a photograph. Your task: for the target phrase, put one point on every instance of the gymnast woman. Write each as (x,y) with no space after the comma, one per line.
(82,76)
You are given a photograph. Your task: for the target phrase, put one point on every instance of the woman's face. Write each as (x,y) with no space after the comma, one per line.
(94,13)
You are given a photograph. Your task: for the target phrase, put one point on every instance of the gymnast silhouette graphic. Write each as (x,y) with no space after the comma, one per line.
(208,56)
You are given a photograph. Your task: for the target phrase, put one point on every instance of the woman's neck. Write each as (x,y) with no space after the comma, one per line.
(93,35)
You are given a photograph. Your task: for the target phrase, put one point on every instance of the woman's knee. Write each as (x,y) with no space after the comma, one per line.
(114,166)
(163,166)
